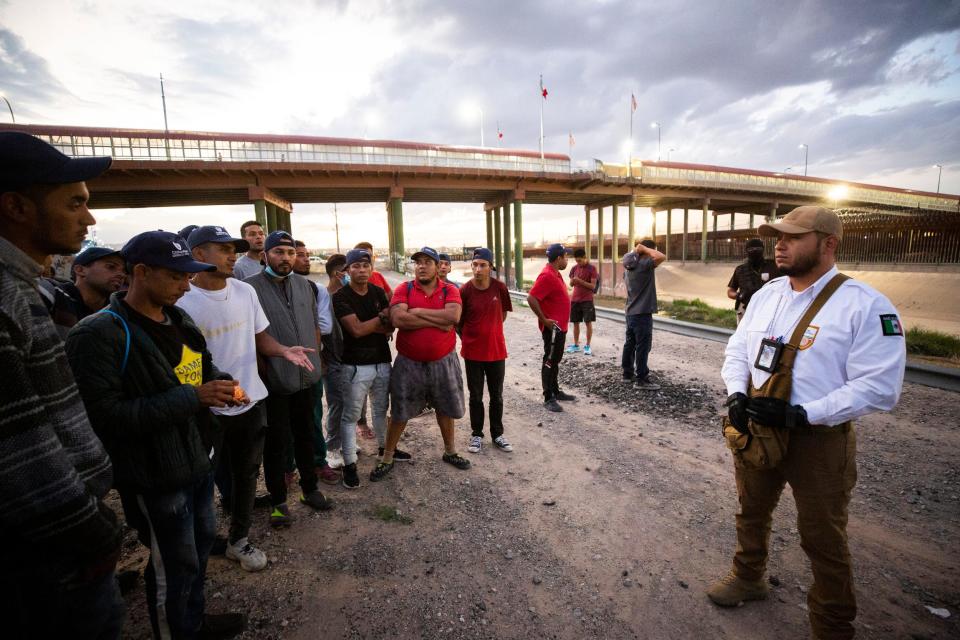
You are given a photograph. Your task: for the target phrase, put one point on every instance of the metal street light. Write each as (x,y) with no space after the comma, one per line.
(4,98)
(659,129)
(668,153)
(939,168)
(806,153)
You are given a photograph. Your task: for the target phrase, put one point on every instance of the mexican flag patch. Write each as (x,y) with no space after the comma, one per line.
(890,324)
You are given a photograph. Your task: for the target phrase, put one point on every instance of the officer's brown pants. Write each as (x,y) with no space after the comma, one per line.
(821,468)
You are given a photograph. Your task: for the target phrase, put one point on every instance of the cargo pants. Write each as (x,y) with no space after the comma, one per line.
(821,468)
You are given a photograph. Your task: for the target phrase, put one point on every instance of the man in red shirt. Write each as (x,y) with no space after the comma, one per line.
(584,278)
(485,305)
(426,370)
(550,302)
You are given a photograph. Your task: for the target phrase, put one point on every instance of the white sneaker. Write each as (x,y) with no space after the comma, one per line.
(502,444)
(476,443)
(334,459)
(249,557)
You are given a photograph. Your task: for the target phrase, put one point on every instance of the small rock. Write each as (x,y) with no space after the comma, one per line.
(683,584)
(628,582)
(218,594)
(537,580)
(532,610)
(549,502)
(508,555)
(597,556)
(539,424)
(603,415)
(940,613)
(284,623)
(625,573)
(774,580)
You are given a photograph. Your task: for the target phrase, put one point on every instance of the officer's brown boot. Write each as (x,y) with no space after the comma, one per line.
(730,591)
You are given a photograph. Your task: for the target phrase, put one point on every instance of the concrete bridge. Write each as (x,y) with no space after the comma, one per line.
(272,172)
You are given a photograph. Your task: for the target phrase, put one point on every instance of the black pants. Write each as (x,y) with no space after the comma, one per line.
(493,372)
(286,414)
(553,341)
(239,465)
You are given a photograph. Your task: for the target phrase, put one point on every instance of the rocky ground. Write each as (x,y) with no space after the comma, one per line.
(607,521)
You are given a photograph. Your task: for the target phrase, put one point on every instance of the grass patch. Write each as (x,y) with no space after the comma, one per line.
(390,514)
(698,311)
(925,342)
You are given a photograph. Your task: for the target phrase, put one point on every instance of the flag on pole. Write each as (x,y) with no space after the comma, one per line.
(573,141)
(543,89)
(499,132)
(633,102)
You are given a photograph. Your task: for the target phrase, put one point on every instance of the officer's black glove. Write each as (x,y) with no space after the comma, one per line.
(774,412)
(736,406)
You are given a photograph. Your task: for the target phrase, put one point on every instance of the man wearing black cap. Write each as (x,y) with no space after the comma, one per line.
(444,269)
(148,380)
(748,277)
(291,308)
(550,302)
(98,272)
(59,543)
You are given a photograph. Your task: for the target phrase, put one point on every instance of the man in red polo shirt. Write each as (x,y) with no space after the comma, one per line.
(550,301)
(425,311)
(485,305)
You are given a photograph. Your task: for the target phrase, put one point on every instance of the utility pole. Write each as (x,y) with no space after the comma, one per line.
(336,225)
(166,128)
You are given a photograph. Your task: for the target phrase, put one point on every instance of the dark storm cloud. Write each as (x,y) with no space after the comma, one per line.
(25,74)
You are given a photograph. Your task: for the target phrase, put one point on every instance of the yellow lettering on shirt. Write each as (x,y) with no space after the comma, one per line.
(190,368)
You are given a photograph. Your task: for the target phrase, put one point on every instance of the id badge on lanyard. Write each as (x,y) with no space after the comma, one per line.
(768,357)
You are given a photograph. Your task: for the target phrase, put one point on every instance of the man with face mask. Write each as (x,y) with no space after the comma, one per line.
(748,277)
(291,309)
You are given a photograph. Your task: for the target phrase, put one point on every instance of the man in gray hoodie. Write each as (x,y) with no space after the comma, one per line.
(291,308)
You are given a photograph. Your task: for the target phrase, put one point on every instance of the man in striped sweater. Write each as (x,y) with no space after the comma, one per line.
(59,543)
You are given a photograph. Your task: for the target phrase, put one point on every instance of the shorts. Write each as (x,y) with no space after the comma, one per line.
(415,384)
(583,311)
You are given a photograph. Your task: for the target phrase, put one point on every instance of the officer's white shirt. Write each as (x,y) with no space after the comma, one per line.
(849,369)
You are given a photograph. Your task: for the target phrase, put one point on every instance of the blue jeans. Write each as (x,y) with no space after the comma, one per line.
(333,389)
(179,528)
(356,383)
(636,349)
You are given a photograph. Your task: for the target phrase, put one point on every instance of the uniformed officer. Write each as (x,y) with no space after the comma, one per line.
(749,276)
(849,362)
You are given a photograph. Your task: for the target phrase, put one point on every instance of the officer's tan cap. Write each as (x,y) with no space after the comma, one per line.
(805,220)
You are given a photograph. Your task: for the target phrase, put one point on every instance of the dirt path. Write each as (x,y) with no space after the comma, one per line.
(604,522)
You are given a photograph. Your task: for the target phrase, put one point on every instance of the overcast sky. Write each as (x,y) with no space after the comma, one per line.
(873,87)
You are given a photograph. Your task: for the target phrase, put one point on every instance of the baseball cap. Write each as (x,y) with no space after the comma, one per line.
(162,249)
(482,253)
(187,230)
(444,256)
(426,251)
(754,243)
(26,160)
(804,220)
(92,254)
(556,250)
(357,255)
(211,233)
(278,239)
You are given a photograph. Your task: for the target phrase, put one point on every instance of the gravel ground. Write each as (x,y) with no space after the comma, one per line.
(609,520)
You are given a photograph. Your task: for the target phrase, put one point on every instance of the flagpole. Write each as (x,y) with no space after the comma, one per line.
(542,162)
(630,155)
(570,144)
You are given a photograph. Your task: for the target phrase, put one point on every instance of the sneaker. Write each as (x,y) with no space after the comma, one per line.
(399,455)
(350,478)
(730,591)
(280,516)
(627,379)
(646,385)
(219,546)
(502,444)
(456,460)
(249,557)
(365,431)
(565,397)
(476,443)
(334,459)
(552,405)
(316,500)
(327,475)
(573,348)
(380,471)
(587,351)
(219,626)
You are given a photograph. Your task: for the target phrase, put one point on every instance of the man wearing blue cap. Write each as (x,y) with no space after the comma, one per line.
(444,268)
(59,543)
(97,272)
(550,302)
(148,380)
(291,308)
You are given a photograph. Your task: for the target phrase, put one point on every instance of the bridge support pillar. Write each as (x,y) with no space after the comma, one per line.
(272,222)
(614,247)
(715,217)
(773,213)
(666,243)
(391,239)
(703,231)
(631,228)
(489,214)
(653,225)
(518,243)
(498,242)
(260,212)
(507,241)
(751,221)
(399,257)
(686,220)
(586,231)
(600,246)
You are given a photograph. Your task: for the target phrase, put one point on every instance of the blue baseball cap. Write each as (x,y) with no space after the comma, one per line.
(556,250)
(278,239)
(187,230)
(27,160)
(92,254)
(162,249)
(444,257)
(211,233)
(482,253)
(427,251)
(357,255)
